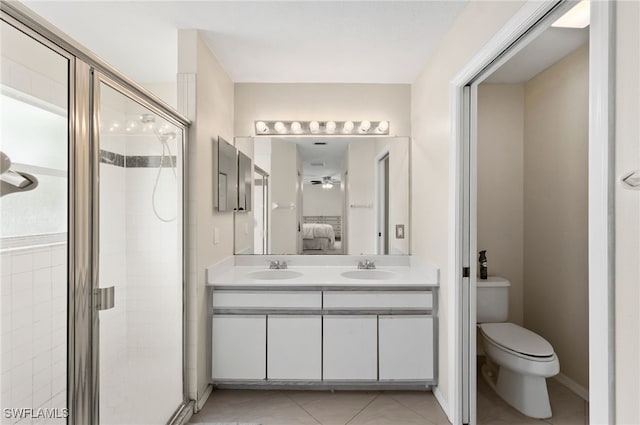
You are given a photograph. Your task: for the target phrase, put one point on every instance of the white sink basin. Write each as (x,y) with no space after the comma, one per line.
(274,274)
(369,274)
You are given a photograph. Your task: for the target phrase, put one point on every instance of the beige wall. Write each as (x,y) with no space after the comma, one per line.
(360,191)
(627,233)
(556,278)
(500,186)
(212,113)
(320,201)
(283,186)
(307,102)
(431,150)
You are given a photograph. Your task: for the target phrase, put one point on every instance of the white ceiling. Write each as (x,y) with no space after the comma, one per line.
(264,41)
(545,50)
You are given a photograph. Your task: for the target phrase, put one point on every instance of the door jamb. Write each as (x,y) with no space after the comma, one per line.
(525,24)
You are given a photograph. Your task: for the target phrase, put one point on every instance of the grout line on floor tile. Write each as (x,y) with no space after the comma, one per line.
(409,408)
(362,410)
(286,394)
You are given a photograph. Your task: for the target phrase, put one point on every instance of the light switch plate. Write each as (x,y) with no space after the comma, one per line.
(399,231)
(216,236)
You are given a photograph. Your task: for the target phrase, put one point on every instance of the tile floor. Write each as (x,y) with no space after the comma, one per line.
(249,407)
(246,407)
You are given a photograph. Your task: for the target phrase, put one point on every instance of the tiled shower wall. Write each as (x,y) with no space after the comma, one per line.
(141,339)
(34,328)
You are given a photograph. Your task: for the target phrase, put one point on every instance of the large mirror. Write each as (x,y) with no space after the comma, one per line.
(329,196)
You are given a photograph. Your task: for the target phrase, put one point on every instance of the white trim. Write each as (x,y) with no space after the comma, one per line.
(572,385)
(442,402)
(205,396)
(601,213)
(379,183)
(522,28)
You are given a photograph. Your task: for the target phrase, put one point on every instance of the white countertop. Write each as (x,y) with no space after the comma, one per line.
(321,272)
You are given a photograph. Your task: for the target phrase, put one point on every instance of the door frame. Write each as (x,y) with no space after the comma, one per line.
(82,396)
(525,25)
(379,195)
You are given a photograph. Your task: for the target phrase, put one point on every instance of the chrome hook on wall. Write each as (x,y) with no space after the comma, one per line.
(632,180)
(14,181)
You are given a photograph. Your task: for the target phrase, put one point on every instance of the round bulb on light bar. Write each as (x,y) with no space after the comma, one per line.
(331,127)
(296,127)
(383,126)
(262,127)
(364,126)
(314,127)
(348,127)
(280,127)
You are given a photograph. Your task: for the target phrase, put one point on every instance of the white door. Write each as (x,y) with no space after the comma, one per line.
(350,347)
(405,347)
(238,347)
(294,347)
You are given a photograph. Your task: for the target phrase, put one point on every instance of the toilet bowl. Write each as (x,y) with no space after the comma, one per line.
(518,360)
(519,363)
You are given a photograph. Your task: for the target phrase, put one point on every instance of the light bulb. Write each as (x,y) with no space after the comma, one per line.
(364,126)
(280,127)
(314,127)
(331,127)
(383,127)
(348,127)
(296,127)
(261,127)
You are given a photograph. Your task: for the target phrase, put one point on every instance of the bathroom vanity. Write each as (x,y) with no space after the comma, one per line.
(324,323)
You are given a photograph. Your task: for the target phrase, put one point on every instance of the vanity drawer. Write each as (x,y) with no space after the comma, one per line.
(378,300)
(267,299)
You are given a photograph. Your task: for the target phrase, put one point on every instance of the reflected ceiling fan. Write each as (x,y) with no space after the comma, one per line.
(327,182)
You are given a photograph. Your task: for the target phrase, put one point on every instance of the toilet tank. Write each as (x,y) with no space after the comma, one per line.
(492,299)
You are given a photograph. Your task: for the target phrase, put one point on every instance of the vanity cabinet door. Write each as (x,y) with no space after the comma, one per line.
(350,347)
(239,345)
(406,347)
(294,347)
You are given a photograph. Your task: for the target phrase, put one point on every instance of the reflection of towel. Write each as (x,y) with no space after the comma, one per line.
(315,230)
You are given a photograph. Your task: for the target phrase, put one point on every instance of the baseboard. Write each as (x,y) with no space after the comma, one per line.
(203,399)
(440,398)
(573,386)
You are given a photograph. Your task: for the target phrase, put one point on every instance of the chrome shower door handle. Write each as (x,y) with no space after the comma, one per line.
(632,180)
(105,298)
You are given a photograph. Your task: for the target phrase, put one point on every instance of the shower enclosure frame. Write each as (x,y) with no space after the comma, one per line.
(86,72)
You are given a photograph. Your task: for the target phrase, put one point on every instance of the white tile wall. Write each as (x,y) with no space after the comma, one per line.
(141,256)
(34,334)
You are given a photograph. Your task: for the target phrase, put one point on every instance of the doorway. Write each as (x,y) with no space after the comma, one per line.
(526,26)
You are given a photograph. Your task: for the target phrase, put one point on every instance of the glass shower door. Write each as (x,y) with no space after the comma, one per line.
(34,214)
(140,255)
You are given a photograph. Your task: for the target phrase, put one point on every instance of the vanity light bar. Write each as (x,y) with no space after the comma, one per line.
(312,128)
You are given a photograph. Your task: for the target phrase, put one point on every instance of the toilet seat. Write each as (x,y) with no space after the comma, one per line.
(518,340)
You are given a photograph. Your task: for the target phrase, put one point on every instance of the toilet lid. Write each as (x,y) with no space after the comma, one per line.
(517,338)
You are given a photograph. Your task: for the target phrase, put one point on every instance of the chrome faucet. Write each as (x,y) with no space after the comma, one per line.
(366,264)
(277,264)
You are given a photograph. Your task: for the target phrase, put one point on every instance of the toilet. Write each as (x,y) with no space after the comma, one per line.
(518,360)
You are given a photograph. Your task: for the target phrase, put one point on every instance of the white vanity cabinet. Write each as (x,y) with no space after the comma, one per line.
(325,336)
(294,347)
(350,347)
